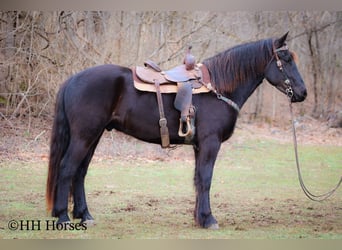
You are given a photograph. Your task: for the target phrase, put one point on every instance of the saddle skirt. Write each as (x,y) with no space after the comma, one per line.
(145,77)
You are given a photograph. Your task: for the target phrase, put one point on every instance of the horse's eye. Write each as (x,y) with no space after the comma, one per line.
(286,56)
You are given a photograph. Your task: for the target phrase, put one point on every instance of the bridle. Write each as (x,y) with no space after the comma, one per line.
(288,90)
(289,93)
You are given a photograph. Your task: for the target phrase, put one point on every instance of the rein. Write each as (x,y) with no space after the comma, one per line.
(289,93)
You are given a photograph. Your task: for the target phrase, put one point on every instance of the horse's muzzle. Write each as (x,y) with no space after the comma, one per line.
(299,97)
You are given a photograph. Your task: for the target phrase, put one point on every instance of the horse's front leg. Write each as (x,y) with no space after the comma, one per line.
(205,156)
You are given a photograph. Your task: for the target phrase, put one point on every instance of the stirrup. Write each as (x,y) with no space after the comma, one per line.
(188,127)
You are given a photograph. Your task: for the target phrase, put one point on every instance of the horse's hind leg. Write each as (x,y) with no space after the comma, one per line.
(80,204)
(74,156)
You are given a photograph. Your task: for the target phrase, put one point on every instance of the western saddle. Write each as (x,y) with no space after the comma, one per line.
(184,80)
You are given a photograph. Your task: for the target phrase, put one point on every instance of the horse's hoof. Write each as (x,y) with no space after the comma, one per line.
(214,226)
(88,223)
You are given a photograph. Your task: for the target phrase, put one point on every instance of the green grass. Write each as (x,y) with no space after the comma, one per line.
(255,194)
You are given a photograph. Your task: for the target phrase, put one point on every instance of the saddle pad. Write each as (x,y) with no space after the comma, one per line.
(165,88)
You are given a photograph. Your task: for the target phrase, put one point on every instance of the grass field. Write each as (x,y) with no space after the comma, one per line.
(255,194)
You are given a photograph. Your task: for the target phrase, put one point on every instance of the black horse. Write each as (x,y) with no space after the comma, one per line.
(103,97)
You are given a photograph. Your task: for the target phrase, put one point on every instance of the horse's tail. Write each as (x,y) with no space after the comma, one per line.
(60,138)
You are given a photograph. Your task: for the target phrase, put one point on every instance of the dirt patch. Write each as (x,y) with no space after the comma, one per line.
(285,214)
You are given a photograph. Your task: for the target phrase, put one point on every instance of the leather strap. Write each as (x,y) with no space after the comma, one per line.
(205,73)
(164,131)
(206,82)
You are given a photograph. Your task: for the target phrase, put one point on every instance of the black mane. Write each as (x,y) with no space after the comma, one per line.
(238,64)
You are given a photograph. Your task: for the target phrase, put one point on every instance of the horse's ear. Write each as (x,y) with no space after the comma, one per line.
(280,42)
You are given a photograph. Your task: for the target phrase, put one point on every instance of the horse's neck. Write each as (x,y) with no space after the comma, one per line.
(245,90)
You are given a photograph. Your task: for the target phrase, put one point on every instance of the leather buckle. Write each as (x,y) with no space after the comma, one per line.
(162,122)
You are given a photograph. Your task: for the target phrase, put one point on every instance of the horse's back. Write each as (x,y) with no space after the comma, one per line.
(98,75)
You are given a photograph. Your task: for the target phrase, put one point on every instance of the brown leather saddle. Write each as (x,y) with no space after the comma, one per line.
(146,76)
(184,80)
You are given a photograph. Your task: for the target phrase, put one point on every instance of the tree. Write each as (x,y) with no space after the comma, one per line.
(39,50)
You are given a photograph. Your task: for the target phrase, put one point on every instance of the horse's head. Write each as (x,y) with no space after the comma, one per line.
(282,71)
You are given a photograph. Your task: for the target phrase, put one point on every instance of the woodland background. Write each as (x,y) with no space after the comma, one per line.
(40,50)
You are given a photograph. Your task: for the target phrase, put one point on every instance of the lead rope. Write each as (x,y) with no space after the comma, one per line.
(308,194)
(289,93)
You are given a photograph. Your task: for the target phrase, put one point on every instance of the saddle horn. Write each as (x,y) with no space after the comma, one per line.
(189,59)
